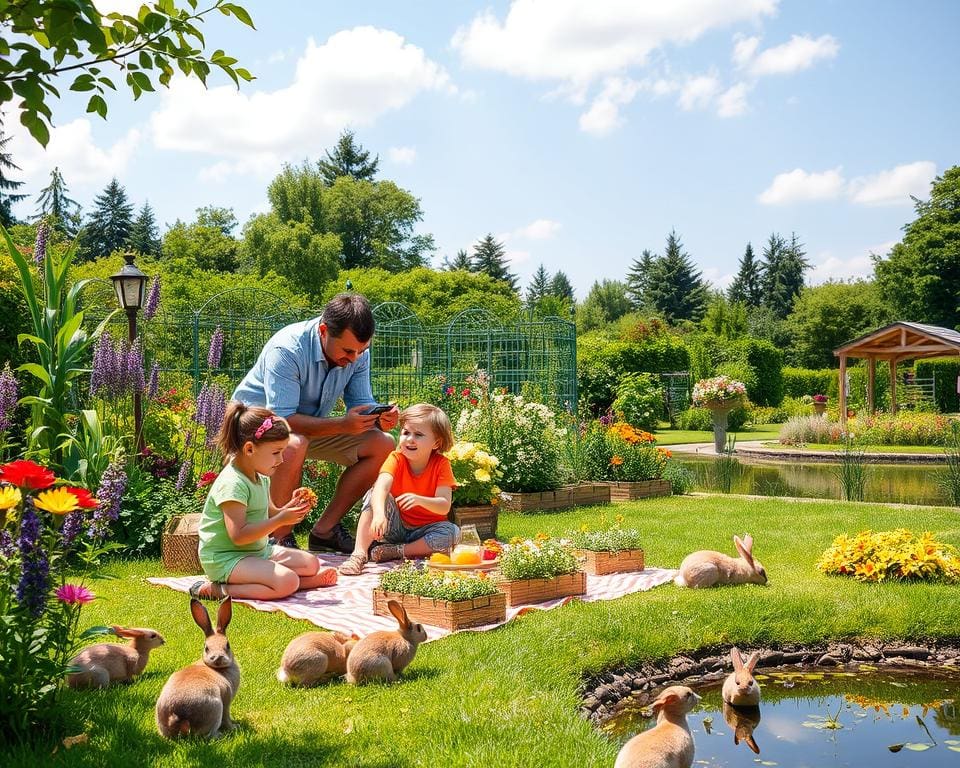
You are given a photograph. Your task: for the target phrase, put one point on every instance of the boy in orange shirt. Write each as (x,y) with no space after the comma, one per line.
(406,510)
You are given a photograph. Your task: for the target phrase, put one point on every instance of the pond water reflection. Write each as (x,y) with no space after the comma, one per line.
(904,484)
(854,718)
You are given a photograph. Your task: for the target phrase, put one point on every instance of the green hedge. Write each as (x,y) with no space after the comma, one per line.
(755,362)
(798,382)
(945,371)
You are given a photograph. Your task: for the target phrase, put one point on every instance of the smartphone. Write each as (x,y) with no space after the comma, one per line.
(376,410)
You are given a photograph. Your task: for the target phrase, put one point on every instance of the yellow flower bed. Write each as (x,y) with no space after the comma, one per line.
(899,555)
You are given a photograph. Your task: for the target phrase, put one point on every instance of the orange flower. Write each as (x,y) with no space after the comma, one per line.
(616,460)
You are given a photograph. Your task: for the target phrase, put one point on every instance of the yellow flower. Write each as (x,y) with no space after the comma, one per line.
(57,501)
(616,461)
(482,475)
(9,497)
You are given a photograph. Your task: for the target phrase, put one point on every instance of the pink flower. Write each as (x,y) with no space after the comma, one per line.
(74,594)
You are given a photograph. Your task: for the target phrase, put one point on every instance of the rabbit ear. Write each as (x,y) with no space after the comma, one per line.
(121,632)
(745,548)
(736,658)
(200,616)
(752,661)
(662,700)
(224,614)
(399,613)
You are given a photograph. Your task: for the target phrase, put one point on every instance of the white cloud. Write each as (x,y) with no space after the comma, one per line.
(699,92)
(517,258)
(743,49)
(733,101)
(402,155)
(352,79)
(541,229)
(799,186)
(73,149)
(800,53)
(826,267)
(604,113)
(719,280)
(894,187)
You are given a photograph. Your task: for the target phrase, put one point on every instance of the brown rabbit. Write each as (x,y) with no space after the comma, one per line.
(315,657)
(708,569)
(381,656)
(740,689)
(196,699)
(743,720)
(669,743)
(106,663)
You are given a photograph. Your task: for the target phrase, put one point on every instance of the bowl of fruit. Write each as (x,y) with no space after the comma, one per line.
(464,557)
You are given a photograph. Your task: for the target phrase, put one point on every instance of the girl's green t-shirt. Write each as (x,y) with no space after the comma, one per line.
(216,547)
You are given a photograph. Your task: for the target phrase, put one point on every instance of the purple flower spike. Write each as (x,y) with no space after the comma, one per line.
(113,484)
(35,568)
(216,348)
(72,525)
(153,385)
(40,246)
(8,397)
(135,378)
(183,475)
(153,299)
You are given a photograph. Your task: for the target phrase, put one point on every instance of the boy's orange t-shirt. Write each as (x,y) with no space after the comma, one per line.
(437,472)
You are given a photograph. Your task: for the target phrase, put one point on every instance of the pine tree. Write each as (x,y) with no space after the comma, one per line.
(539,287)
(7,196)
(108,227)
(638,279)
(561,288)
(461,261)
(676,289)
(746,287)
(53,204)
(490,257)
(143,234)
(348,159)
(783,267)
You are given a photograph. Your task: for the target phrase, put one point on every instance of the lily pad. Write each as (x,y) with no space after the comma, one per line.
(917,746)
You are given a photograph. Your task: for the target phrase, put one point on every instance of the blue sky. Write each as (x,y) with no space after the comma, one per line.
(579,133)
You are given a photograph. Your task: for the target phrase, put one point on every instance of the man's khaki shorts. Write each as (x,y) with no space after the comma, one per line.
(339,449)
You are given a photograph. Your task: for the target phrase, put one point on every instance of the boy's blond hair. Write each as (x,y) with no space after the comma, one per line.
(435,418)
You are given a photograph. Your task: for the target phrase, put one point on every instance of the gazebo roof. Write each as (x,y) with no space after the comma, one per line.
(900,341)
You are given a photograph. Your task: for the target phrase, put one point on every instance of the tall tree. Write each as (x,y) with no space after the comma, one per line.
(783,266)
(348,159)
(108,227)
(676,288)
(461,261)
(490,257)
(746,287)
(606,302)
(208,242)
(920,278)
(539,287)
(144,237)
(77,40)
(54,204)
(560,287)
(638,278)
(7,185)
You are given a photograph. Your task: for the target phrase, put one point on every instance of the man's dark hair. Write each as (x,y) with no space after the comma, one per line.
(349,312)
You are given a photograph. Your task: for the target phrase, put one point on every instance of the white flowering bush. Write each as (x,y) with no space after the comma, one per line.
(720,389)
(477,472)
(538,558)
(524,435)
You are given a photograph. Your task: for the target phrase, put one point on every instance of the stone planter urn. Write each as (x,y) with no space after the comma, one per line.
(819,408)
(719,410)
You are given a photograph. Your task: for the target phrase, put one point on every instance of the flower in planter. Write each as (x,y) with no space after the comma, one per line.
(633,455)
(606,538)
(819,398)
(720,389)
(410,579)
(477,472)
(537,558)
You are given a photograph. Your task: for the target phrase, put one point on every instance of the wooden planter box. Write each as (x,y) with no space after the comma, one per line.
(641,489)
(180,542)
(523,591)
(462,614)
(564,497)
(484,517)
(602,563)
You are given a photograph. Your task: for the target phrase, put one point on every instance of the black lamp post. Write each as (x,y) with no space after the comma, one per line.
(131,284)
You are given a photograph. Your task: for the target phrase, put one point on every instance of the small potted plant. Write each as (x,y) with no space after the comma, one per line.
(819,404)
(721,395)
(538,569)
(609,548)
(475,499)
(452,600)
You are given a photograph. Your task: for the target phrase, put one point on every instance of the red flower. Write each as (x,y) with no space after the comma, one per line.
(206,478)
(473,401)
(466,392)
(84,498)
(27,474)
(450,390)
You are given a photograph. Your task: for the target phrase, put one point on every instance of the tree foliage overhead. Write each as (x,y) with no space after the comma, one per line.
(747,286)
(675,288)
(53,204)
(108,227)
(348,158)
(45,40)
(490,257)
(920,278)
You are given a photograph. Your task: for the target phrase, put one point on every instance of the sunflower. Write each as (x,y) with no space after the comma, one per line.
(58,501)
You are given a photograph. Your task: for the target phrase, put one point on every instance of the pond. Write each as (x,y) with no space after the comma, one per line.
(857,717)
(904,484)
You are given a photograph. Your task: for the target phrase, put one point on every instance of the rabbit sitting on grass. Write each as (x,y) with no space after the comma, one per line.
(106,663)
(315,657)
(381,656)
(709,569)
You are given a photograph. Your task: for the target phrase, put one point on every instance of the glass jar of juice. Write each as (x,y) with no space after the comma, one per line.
(469,551)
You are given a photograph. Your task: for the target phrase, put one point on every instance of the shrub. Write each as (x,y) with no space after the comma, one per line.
(476,471)
(537,558)
(898,555)
(798,382)
(700,419)
(607,538)
(639,400)
(766,363)
(679,477)
(408,579)
(148,504)
(945,372)
(633,455)
(810,429)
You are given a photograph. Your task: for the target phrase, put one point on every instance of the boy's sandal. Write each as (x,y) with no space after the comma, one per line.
(353,565)
(206,590)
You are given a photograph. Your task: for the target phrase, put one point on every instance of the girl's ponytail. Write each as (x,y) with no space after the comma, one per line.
(249,423)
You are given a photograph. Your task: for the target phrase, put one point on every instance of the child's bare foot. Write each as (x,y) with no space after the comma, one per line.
(327,577)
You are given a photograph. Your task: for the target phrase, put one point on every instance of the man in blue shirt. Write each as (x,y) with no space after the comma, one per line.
(303,370)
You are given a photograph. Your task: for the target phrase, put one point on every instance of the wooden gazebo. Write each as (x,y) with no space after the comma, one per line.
(895,342)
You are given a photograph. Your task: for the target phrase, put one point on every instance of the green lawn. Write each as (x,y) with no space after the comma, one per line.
(678,436)
(508,697)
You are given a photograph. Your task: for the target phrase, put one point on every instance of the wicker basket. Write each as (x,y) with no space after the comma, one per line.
(180,543)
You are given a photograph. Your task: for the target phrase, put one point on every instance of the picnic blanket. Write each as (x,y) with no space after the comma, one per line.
(348,606)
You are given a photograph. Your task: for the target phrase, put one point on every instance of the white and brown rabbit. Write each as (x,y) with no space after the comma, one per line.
(381,656)
(106,663)
(743,721)
(315,657)
(669,744)
(740,689)
(196,699)
(709,569)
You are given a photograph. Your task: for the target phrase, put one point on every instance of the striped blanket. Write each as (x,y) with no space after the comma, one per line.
(348,606)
